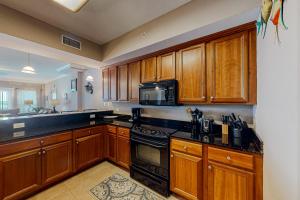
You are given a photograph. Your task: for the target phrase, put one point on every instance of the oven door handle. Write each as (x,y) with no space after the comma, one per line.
(149,144)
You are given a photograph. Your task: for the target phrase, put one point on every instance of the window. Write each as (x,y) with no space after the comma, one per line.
(26,96)
(6,99)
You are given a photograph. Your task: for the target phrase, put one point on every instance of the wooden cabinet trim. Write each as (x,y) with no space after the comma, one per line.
(186,147)
(148,65)
(123,83)
(113,82)
(172,75)
(134,78)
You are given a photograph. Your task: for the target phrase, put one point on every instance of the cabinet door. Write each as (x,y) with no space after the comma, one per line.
(123,151)
(112,147)
(166,66)
(56,162)
(123,83)
(105,84)
(20,174)
(113,83)
(228,183)
(87,151)
(191,74)
(148,70)
(228,69)
(186,175)
(134,80)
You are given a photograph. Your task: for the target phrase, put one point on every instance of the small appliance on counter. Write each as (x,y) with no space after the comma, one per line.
(136,115)
(162,93)
(200,124)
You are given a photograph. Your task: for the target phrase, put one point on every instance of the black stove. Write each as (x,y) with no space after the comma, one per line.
(150,152)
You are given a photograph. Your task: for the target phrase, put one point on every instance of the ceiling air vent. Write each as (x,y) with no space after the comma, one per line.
(66,40)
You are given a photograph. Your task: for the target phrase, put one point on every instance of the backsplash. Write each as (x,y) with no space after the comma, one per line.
(180,113)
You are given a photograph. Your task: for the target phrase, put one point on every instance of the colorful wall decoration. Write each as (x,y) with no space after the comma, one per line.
(271,10)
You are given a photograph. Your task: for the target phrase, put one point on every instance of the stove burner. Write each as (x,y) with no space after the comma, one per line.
(153,131)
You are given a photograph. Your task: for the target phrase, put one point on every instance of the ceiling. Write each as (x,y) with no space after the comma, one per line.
(99,20)
(12,62)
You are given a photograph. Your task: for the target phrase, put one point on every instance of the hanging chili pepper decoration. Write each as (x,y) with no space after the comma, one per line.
(265,13)
(277,16)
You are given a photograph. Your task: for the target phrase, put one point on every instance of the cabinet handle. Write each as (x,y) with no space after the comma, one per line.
(209,167)
(228,158)
(172,155)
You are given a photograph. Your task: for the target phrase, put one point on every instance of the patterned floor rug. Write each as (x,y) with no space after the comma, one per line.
(117,187)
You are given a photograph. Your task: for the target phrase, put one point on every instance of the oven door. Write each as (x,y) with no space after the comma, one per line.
(150,155)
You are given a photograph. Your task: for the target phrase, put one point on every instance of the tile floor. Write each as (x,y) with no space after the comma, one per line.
(77,187)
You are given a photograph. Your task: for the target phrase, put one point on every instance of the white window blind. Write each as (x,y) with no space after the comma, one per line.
(25,95)
(5,98)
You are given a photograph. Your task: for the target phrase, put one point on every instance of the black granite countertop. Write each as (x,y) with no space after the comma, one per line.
(248,143)
(10,136)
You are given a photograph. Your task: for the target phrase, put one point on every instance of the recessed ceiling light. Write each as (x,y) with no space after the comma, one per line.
(73,5)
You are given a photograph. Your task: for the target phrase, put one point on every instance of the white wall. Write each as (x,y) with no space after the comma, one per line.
(277,112)
(92,101)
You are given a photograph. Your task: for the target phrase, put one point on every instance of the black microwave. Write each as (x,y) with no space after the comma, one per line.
(162,93)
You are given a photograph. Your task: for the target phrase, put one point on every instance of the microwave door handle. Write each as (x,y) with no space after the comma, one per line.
(149,144)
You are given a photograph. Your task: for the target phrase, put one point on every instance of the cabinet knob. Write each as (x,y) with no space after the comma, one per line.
(228,158)
(185,147)
(212,98)
(39,153)
(172,155)
(77,142)
(42,142)
(44,152)
(209,167)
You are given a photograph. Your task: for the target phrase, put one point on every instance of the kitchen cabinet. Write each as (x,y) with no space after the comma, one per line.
(56,161)
(186,169)
(191,74)
(134,78)
(20,174)
(123,83)
(109,84)
(148,70)
(113,74)
(111,147)
(166,66)
(228,63)
(88,147)
(123,147)
(229,183)
(105,83)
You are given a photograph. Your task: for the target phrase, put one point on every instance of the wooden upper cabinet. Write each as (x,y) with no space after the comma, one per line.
(113,74)
(20,174)
(166,66)
(228,62)
(105,84)
(228,183)
(191,74)
(57,161)
(148,70)
(123,83)
(134,77)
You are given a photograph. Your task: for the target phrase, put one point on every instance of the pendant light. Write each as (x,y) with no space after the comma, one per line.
(28,69)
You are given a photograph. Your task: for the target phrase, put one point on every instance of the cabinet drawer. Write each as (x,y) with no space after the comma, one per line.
(231,158)
(82,132)
(112,129)
(54,139)
(124,132)
(97,129)
(186,147)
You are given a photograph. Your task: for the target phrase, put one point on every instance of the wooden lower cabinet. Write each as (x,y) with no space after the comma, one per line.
(20,174)
(186,175)
(111,147)
(87,151)
(123,151)
(229,183)
(56,162)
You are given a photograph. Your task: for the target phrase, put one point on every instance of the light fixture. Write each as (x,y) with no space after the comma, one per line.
(73,5)
(89,78)
(28,69)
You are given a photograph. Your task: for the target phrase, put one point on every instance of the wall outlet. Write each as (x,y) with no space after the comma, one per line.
(18,134)
(18,125)
(92,116)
